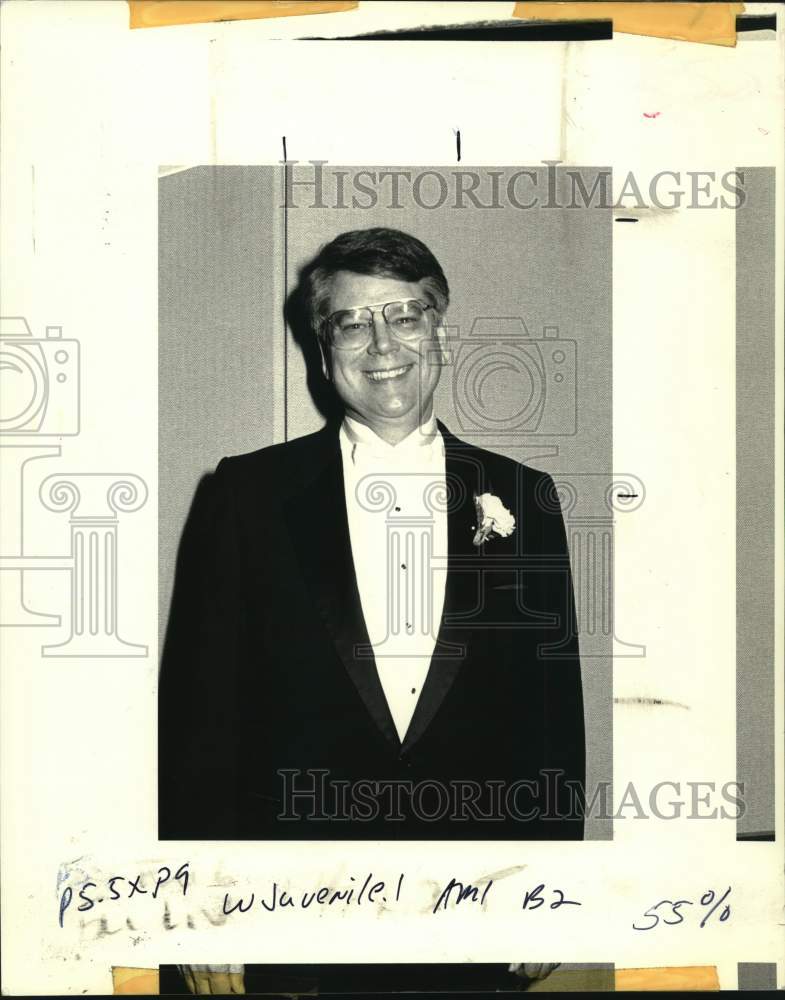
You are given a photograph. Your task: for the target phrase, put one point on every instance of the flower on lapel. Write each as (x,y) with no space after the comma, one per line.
(493,518)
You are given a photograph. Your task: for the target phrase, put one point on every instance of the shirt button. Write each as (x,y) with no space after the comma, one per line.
(398,509)
(403,565)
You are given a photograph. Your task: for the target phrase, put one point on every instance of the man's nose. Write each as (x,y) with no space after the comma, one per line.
(382,341)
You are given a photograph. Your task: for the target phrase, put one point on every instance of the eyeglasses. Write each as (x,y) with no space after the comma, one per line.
(352,329)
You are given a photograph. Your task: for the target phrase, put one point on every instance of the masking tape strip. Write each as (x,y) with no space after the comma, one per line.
(160,13)
(698,977)
(136,982)
(712,23)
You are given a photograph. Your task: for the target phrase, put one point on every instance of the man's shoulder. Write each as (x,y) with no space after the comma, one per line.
(495,464)
(283,463)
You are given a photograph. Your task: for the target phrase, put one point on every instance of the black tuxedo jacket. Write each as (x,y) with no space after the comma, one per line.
(272,721)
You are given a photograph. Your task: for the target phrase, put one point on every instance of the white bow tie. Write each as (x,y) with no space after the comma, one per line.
(394,459)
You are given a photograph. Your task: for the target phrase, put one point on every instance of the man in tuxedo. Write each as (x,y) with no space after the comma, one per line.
(372,632)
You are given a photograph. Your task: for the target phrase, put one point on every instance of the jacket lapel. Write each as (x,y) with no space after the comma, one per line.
(465,477)
(319,528)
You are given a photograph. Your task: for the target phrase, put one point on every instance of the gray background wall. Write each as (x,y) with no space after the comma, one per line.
(219,267)
(755,493)
(226,372)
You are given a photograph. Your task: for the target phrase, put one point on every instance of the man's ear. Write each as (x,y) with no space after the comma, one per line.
(325,361)
(441,335)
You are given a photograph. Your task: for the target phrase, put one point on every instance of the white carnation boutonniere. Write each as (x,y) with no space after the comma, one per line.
(493,518)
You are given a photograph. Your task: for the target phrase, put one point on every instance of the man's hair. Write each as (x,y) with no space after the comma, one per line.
(388,253)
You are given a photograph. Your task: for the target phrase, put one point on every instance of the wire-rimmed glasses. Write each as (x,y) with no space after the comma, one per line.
(352,329)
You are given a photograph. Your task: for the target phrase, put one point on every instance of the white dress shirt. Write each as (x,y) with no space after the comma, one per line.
(396,506)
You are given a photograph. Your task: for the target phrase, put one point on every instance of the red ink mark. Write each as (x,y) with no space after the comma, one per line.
(651,114)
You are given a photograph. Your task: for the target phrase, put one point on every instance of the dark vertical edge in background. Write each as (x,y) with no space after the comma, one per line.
(755,493)
(757,976)
(285,294)
(159,434)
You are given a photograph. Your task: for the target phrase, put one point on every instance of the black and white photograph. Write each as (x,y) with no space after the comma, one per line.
(375,622)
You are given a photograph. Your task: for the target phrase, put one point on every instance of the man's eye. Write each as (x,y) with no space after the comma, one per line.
(406,321)
(354,327)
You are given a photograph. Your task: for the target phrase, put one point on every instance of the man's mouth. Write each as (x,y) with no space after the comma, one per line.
(381,375)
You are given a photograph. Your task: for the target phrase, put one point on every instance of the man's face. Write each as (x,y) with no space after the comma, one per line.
(387,384)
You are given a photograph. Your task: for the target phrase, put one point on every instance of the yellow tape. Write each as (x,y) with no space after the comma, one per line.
(697,977)
(713,23)
(159,13)
(138,982)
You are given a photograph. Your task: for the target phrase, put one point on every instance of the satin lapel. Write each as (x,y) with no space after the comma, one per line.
(465,477)
(319,528)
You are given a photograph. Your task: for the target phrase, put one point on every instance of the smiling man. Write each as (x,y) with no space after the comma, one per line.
(377,356)
(372,633)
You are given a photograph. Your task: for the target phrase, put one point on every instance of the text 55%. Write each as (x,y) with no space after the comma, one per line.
(673,911)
